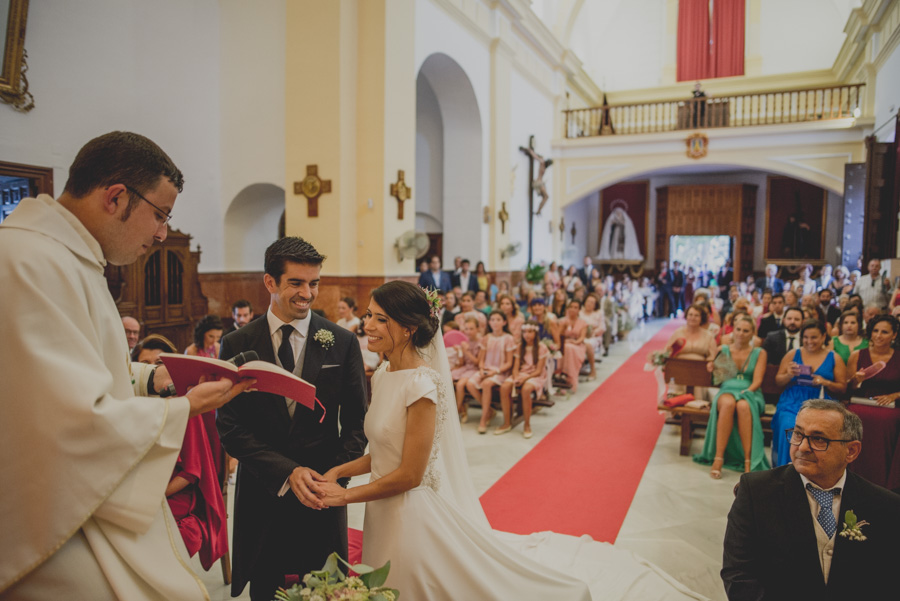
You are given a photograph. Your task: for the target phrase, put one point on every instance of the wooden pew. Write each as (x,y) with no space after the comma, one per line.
(517,415)
(692,373)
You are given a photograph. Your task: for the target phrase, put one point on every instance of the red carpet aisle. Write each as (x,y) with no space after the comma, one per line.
(581,478)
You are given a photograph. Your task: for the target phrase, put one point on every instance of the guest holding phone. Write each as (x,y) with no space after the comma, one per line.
(810,372)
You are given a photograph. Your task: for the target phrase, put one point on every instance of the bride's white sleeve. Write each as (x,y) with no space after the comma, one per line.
(421,386)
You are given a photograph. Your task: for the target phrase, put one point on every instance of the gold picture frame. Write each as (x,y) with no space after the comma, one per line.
(13,84)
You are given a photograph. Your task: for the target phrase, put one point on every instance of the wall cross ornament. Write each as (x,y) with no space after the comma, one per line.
(573,231)
(562,228)
(312,186)
(401,192)
(535,184)
(502,215)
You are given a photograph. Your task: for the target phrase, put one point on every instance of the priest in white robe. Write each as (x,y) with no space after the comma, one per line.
(86,452)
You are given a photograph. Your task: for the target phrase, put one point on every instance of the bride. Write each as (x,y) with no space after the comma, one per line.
(422,513)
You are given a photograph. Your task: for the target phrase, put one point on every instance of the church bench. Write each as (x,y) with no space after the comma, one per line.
(692,373)
(517,415)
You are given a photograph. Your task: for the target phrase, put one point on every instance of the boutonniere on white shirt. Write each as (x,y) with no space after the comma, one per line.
(853,527)
(325,338)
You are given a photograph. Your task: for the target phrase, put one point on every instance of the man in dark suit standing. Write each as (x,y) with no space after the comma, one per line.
(434,277)
(585,272)
(787,535)
(678,286)
(773,320)
(464,279)
(770,281)
(785,339)
(281,447)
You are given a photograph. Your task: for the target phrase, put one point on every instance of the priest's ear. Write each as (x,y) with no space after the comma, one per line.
(114,198)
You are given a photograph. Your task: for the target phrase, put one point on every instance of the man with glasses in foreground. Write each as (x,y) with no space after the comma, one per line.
(789,535)
(86,451)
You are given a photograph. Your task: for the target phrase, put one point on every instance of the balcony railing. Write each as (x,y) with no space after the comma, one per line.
(738,110)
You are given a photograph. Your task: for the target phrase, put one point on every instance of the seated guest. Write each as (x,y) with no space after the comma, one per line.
(809,372)
(593,316)
(559,303)
(466,364)
(880,461)
(770,281)
(207,334)
(494,366)
(840,283)
(784,339)
(481,303)
(572,331)
(552,276)
(870,312)
(695,340)
(467,309)
(347,318)
(786,538)
(528,377)
(194,492)
(609,309)
(791,299)
(132,331)
(450,309)
(740,307)
(740,448)
(804,284)
(826,298)
(849,339)
(514,320)
(706,295)
(548,332)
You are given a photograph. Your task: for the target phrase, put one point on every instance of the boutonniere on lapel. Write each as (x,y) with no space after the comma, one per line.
(325,338)
(853,527)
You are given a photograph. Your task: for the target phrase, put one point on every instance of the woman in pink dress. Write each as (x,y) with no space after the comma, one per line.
(572,331)
(514,319)
(495,362)
(593,316)
(467,364)
(528,376)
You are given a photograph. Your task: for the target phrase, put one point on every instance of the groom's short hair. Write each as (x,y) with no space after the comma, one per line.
(290,248)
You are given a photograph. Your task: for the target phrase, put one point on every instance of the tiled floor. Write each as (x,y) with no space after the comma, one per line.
(677,519)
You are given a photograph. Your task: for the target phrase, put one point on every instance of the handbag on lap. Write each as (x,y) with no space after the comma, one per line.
(724,368)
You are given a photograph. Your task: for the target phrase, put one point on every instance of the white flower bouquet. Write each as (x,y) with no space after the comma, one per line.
(331,584)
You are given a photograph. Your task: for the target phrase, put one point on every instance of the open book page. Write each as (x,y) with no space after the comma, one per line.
(186,371)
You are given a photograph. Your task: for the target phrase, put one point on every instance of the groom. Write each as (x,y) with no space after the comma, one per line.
(280,445)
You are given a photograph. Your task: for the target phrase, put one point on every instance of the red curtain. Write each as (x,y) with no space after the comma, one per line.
(727,50)
(693,39)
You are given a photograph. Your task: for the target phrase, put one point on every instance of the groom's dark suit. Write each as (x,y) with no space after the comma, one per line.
(770,543)
(274,536)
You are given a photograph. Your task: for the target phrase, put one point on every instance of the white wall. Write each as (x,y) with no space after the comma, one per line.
(578,213)
(887,95)
(801,35)
(531,113)
(152,68)
(429,185)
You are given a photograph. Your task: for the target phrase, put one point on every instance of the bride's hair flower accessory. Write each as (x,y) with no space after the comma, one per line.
(530,326)
(434,302)
(325,338)
(853,527)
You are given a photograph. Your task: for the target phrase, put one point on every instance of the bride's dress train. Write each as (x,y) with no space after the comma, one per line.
(437,537)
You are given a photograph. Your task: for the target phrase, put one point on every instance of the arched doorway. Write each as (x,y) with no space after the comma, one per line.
(251,224)
(448,159)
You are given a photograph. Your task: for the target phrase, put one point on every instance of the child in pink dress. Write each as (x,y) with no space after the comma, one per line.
(466,365)
(528,376)
(495,362)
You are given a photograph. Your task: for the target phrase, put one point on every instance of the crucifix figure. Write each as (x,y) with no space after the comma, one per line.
(535,184)
(502,215)
(312,187)
(401,192)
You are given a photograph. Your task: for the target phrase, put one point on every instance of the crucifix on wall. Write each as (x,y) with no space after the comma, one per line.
(562,228)
(312,186)
(502,215)
(536,184)
(401,192)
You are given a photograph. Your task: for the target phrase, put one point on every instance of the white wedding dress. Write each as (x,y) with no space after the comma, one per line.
(438,539)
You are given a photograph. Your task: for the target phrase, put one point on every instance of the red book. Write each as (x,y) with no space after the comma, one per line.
(186,371)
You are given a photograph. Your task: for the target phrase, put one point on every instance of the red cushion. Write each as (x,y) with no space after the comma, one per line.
(678,401)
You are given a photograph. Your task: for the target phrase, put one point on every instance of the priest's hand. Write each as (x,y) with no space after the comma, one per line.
(302,479)
(207,396)
(161,379)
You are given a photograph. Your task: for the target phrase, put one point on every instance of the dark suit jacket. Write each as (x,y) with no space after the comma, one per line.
(770,542)
(774,345)
(456,280)
(257,429)
(426,280)
(767,325)
(777,285)
(832,314)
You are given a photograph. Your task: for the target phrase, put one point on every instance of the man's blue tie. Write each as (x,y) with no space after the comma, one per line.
(825,499)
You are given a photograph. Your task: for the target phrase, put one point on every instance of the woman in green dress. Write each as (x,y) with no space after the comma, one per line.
(740,448)
(849,339)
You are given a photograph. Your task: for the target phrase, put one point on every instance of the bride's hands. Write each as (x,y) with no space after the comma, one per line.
(331,494)
(329,476)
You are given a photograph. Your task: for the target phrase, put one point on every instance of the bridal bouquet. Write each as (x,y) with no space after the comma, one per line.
(331,584)
(656,359)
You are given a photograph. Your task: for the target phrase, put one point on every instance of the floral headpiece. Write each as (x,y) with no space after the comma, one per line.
(530,326)
(435,302)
